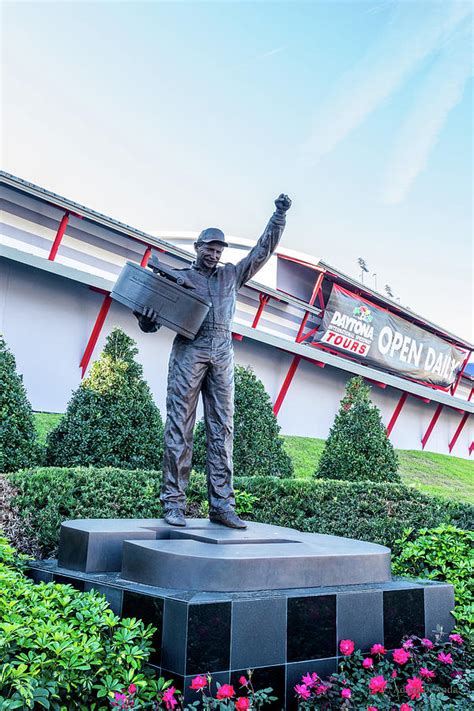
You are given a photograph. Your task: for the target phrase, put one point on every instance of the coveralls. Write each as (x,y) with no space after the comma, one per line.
(206,365)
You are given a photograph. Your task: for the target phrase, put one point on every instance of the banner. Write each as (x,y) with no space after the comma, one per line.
(379,338)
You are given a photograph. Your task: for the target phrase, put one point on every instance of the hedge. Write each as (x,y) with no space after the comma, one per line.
(366,510)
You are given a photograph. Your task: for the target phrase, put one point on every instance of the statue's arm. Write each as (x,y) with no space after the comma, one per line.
(266,245)
(148,320)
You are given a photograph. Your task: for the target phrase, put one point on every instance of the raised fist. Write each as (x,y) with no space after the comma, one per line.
(283,203)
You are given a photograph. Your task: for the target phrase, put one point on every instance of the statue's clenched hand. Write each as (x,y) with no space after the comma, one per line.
(283,203)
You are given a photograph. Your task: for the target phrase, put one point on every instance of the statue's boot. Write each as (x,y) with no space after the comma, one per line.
(175,517)
(227,518)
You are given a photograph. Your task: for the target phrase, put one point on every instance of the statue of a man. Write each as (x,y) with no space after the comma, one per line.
(206,365)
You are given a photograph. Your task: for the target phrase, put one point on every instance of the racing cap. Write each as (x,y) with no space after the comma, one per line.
(212,234)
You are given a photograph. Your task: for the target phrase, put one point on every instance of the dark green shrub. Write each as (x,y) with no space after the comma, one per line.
(442,553)
(111,419)
(18,440)
(258,448)
(64,649)
(367,510)
(358,448)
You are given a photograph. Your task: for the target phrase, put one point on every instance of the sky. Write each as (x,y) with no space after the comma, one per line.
(182,115)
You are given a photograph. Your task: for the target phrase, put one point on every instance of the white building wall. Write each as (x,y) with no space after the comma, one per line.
(47,321)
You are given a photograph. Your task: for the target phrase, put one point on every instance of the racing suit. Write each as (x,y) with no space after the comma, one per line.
(206,365)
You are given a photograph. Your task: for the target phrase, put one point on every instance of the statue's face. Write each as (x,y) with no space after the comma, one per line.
(208,254)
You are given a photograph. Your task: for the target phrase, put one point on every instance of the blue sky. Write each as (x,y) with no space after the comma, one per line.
(182,115)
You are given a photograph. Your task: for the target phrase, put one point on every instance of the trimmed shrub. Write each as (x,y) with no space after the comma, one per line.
(258,448)
(18,440)
(366,510)
(111,419)
(442,553)
(64,649)
(358,448)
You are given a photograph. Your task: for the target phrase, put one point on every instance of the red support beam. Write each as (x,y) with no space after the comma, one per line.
(460,428)
(430,428)
(146,257)
(471,448)
(104,310)
(264,299)
(316,290)
(396,413)
(458,379)
(286,384)
(237,336)
(59,236)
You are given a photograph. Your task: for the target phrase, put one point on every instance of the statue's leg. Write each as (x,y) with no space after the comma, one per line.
(218,401)
(187,368)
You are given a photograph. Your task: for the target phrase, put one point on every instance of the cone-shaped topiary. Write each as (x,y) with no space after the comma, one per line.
(358,447)
(111,419)
(18,439)
(258,448)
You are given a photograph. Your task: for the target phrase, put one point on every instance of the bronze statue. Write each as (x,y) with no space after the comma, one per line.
(206,365)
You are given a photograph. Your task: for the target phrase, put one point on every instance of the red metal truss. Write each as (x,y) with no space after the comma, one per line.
(59,236)
(316,290)
(460,427)
(396,413)
(102,315)
(458,379)
(471,448)
(146,257)
(286,384)
(264,299)
(431,426)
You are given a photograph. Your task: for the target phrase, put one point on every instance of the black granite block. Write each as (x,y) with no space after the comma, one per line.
(262,678)
(112,595)
(311,628)
(258,633)
(208,644)
(66,580)
(439,600)
(190,695)
(360,618)
(150,610)
(175,621)
(403,614)
(323,668)
(39,576)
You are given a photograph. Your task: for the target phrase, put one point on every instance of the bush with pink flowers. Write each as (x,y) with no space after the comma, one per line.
(421,674)
(245,698)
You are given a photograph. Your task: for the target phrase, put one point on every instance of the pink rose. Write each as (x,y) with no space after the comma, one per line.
(414,688)
(368,663)
(346,646)
(303,691)
(242,703)
(401,656)
(346,693)
(310,679)
(377,685)
(372,708)
(394,675)
(427,643)
(243,681)
(406,707)
(132,689)
(168,698)
(456,638)
(199,682)
(321,689)
(408,644)
(378,649)
(445,658)
(427,673)
(226,691)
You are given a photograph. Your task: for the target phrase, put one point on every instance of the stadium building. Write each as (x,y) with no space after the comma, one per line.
(304,326)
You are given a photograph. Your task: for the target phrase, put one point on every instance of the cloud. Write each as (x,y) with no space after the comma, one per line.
(412,32)
(271,53)
(441,92)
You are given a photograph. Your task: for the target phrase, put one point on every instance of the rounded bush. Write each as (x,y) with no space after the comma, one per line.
(111,419)
(357,448)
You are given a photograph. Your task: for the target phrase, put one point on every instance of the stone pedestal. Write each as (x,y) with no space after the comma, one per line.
(282,633)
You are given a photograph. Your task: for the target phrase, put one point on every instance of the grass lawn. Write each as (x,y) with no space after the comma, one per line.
(436,474)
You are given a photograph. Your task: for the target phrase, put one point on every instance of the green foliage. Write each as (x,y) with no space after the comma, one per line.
(18,443)
(258,448)
(111,419)
(442,553)
(358,448)
(367,510)
(44,423)
(63,649)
